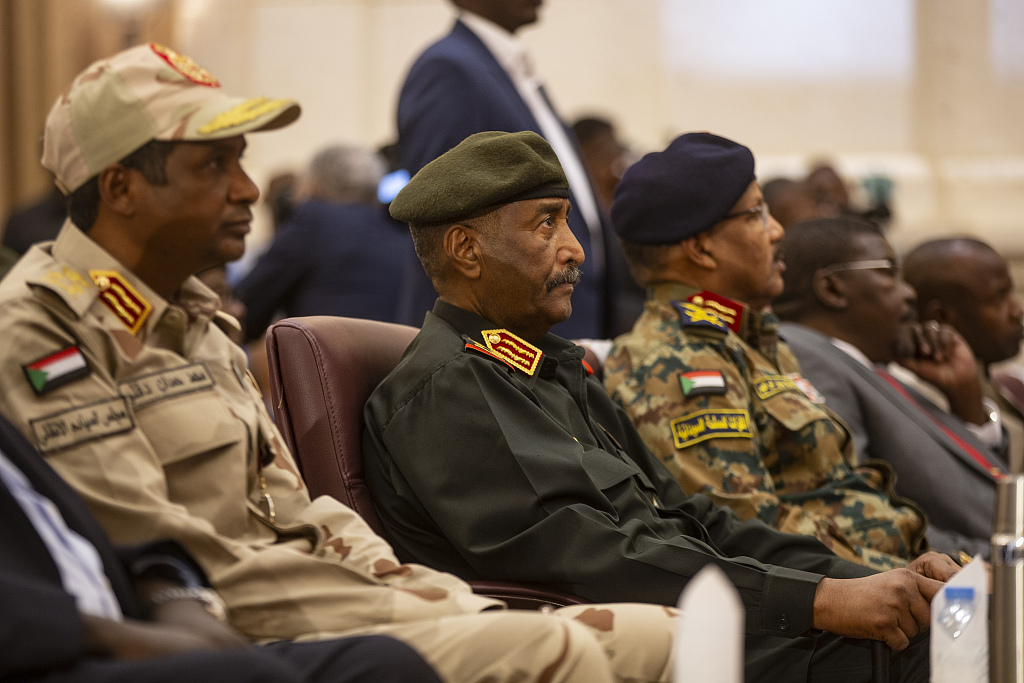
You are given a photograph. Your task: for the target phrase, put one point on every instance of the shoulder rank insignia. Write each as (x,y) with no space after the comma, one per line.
(693,315)
(121,298)
(728,311)
(517,352)
(484,351)
(702,383)
(56,370)
(729,423)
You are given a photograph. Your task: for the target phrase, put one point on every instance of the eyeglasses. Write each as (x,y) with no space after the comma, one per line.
(761,208)
(891,266)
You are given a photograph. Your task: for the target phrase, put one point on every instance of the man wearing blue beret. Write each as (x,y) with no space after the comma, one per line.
(493,453)
(714,392)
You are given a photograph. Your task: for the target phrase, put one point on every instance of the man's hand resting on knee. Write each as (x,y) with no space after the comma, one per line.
(893,606)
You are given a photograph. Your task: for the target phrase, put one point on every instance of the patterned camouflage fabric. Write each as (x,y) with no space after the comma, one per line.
(720,400)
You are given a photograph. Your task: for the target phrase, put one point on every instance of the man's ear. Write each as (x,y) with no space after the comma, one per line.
(462,248)
(117,186)
(698,251)
(830,291)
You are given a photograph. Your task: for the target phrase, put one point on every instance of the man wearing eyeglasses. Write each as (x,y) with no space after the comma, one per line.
(849,313)
(703,375)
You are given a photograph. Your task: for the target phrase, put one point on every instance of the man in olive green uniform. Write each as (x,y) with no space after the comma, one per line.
(491,451)
(120,372)
(703,375)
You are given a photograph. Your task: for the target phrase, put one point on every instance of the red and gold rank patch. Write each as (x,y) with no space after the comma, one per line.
(122,299)
(727,310)
(514,350)
(185,66)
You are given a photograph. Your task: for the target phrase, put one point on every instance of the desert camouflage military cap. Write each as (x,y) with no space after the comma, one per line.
(484,170)
(148,92)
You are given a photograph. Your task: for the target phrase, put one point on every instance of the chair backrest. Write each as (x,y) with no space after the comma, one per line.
(322,370)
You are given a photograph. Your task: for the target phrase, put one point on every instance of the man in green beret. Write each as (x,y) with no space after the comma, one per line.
(492,453)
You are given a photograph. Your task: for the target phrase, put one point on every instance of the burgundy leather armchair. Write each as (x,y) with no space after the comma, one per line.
(322,370)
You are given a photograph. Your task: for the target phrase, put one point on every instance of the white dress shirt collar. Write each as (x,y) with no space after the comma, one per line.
(506,48)
(853,352)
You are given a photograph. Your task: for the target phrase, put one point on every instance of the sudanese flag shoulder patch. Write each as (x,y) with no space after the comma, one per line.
(56,370)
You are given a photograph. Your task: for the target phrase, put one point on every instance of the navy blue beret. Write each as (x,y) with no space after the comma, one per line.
(669,196)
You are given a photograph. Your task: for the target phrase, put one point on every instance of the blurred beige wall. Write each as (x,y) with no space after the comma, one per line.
(43,45)
(946,129)
(941,117)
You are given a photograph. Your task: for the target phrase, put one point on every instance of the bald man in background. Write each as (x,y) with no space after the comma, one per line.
(965,283)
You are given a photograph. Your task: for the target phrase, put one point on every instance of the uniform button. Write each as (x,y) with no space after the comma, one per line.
(783,623)
(655,501)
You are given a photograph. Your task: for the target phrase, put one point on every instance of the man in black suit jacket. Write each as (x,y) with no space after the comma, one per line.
(849,312)
(43,632)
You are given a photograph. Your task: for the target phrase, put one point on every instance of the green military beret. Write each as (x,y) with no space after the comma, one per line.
(485,169)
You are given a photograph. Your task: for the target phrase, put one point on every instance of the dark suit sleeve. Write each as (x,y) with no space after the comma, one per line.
(441,104)
(268,288)
(510,487)
(39,626)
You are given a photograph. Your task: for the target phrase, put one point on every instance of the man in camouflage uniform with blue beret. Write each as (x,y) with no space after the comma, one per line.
(703,375)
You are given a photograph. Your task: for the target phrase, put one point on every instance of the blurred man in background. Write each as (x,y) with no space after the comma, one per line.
(339,253)
(965,283)
(850,313)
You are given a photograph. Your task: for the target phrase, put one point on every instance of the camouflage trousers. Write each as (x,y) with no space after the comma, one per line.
(578,644)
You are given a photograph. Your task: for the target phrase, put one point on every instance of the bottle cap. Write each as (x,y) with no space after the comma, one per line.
(959,593)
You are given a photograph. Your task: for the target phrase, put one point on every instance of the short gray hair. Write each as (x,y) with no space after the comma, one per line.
(344,173)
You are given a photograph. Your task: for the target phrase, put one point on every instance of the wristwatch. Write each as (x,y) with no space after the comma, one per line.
(212,602)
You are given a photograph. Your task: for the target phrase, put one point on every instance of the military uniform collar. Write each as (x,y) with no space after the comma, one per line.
(472,326)
(754,327)
(86,261)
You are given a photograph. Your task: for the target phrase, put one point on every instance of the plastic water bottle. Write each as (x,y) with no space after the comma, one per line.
(959,638)
(959,610)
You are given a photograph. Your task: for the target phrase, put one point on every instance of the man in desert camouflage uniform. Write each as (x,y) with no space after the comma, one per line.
(703,375)
(118,368)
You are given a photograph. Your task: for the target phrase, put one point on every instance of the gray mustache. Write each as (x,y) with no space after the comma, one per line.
(570,276)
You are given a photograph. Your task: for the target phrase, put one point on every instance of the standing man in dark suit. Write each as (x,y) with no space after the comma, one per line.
(74,607)
(479,78)
(849,313)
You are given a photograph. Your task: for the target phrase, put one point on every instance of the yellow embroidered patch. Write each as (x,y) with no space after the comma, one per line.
(185,66)
(518,352)
(768,386)
(242,113)
(693,315)
(71,281)
(729,423)
(122,299)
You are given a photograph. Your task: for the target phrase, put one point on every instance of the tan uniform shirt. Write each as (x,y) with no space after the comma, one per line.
(163,432)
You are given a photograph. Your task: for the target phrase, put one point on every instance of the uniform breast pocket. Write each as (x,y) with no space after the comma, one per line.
(605,470)
(185,426)
(793,410)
